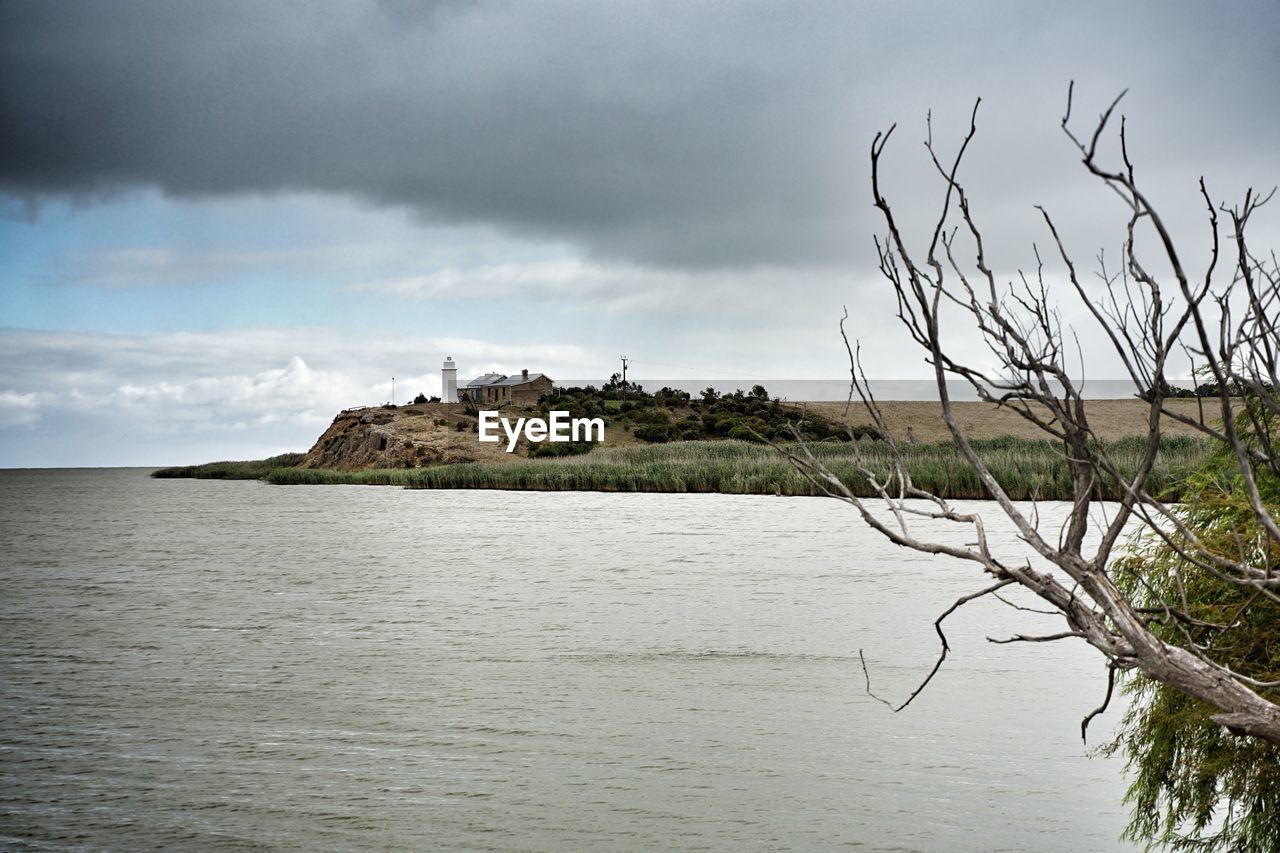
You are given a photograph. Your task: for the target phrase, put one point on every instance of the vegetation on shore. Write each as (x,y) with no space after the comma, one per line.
(1028,469)
(671,441)
(669,414)
(249,469)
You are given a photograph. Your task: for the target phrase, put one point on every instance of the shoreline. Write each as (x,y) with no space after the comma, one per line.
(1027,464)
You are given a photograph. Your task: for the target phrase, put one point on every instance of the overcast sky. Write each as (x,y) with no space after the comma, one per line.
(221,222)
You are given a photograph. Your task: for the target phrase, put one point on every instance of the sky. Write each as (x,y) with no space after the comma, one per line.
(220,223)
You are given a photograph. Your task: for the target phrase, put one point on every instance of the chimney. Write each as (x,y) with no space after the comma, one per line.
(525,374)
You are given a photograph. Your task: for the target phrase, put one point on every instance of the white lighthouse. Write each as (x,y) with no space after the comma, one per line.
(449,381)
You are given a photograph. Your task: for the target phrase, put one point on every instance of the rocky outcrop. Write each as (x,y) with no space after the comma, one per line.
(361,439)
(409,437)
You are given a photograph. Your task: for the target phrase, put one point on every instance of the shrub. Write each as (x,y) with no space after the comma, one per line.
(652,434)
(568,448)
(726,423)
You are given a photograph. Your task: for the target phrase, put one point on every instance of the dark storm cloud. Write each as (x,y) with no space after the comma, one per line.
(676,134)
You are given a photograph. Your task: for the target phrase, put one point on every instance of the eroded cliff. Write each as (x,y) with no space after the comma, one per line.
(408,437)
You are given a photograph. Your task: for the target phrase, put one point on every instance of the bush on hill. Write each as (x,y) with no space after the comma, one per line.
(672,415)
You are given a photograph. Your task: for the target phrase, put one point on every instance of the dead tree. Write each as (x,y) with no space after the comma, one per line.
(1224,317)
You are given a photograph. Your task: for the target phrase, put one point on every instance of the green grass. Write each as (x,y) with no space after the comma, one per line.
(253,469)
(1026,468)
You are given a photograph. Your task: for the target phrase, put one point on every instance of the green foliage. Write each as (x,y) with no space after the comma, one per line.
(710,415)
(1026,468)
(254,469)
(649,416)
(616,389)
(1195,785)
(652,433)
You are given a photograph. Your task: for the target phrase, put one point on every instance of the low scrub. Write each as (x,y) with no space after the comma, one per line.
(669,415)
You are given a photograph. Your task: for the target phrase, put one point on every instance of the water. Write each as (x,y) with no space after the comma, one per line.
(221,665)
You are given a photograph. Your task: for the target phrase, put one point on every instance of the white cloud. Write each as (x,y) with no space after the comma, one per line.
(18,409)
(747,296)
(572,281)
(189,397)
(294,393)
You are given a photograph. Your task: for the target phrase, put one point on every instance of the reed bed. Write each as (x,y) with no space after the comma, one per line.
(1026,468)
(248,469)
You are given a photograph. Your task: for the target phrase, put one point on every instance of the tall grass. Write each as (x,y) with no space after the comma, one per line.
(1025,468)
(327,477)
(249,469)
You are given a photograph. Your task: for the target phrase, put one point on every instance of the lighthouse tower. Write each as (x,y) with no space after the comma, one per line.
(449,381)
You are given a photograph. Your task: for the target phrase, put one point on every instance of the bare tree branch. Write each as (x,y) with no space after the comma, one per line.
(1231,328)
(1101,709)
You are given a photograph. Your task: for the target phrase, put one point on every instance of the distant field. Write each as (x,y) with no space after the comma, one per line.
(1111,419)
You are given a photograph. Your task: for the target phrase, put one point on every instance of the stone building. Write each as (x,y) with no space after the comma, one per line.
(497,389)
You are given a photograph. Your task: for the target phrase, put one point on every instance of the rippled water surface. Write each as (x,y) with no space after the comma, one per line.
(213,665)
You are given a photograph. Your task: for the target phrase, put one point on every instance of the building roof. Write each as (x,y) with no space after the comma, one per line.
(497,379)
(519,380)
(487,379)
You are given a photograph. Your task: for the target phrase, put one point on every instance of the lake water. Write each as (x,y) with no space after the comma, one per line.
(229,665)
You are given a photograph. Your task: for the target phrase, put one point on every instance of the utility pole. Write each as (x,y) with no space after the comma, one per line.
(624,376)
(393,390)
